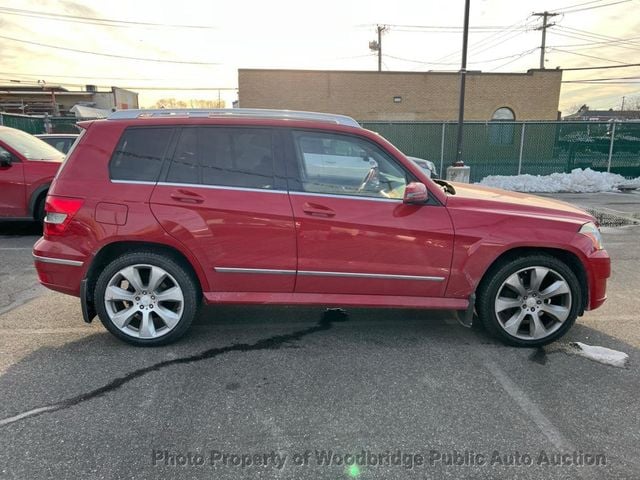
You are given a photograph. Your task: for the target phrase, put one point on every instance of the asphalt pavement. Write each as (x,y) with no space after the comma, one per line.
(293,393)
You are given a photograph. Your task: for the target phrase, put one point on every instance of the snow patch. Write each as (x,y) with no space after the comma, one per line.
(578,181)
(603,355)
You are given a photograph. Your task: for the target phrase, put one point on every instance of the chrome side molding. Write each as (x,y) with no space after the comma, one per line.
(316,273)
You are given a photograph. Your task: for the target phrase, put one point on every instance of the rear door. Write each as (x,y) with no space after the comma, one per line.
(355,234)
(13,202)
(224,197)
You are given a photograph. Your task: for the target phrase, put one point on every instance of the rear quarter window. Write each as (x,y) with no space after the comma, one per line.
(139,154)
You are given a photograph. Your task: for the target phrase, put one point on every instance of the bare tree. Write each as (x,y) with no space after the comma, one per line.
(193,103)
(634,103)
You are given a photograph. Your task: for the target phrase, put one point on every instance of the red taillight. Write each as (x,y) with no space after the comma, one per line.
(58,213)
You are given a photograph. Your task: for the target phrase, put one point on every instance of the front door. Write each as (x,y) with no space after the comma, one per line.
(13,202)
(224,197)
(355,235)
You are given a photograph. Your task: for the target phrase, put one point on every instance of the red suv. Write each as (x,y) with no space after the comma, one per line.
(27,167)
(154,211)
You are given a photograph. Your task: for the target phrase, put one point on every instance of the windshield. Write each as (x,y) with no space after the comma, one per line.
(31,147)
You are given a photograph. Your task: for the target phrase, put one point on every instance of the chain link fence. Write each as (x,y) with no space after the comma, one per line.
(490,148)
(511,148)
(36,124)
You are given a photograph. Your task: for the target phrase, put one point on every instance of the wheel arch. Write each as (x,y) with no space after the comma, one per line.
(36,195)
(112,250)
(569,258)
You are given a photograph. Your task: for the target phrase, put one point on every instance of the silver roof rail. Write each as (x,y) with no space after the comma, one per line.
(232,112)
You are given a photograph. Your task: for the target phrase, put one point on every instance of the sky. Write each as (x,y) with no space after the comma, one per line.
(199,45)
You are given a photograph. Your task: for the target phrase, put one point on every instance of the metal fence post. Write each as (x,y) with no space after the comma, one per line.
(444,124)
(613,134)
(521,148)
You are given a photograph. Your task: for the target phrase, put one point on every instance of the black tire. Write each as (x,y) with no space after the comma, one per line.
(38,213)
(180,275)
(494,279)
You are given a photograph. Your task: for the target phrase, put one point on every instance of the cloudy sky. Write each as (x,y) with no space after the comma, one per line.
(200,44)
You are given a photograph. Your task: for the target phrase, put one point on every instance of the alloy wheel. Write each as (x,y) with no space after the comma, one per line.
(144,301)
(533,303)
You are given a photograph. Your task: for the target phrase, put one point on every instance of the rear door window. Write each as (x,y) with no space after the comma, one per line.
(139,154)
(220,156)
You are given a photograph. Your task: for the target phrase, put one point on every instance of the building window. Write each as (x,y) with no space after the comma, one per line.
(502,133)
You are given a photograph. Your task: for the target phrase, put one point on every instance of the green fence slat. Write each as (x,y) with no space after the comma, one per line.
(35,125)
(493,148)
(25,123)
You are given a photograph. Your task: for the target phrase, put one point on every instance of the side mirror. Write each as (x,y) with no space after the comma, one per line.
(415,192)
(5,158)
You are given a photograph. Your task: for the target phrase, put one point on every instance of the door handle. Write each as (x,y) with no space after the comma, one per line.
(316,210)
(186,196)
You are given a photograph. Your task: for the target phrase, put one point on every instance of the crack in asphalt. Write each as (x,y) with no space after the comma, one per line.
(271,343)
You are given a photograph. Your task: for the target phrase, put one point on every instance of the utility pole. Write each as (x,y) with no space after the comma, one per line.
(622,106)
(376,45)
(545,16)
(463,77)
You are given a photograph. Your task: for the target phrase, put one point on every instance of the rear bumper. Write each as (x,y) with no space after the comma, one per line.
(58,270)
(599,270)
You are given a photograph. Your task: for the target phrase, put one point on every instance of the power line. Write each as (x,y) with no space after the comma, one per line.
(447,27)
(93,21)
(600,79)
(494,39)
(529,52)
(602,67)
(489,60)
(587,56)
(623,45)
(181,88)
(157,60)
(593,7)
(601,83)
(95,77)
(498,41)
(594,36)
(558,10)
(592,45)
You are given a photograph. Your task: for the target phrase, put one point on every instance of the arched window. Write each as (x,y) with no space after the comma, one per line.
(503,114)
(502,134)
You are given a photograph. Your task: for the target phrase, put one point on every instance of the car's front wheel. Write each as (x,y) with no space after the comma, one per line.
(146,299)
(530,301)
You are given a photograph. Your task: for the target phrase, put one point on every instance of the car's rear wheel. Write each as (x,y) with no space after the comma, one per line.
(530,301)
(146,299)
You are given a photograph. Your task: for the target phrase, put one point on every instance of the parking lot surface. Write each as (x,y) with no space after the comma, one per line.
(266,392)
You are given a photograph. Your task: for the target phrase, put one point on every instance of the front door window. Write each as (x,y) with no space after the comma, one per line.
(343,165)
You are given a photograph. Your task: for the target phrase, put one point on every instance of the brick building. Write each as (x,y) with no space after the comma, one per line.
(370,95)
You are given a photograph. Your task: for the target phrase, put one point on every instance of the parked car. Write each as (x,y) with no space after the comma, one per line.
(427,165)
(154,211)
(27,167)
(60,141)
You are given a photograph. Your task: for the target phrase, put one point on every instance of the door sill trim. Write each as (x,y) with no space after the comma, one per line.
(336,299)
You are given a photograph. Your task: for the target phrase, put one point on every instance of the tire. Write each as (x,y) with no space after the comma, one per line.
(39,210)
(146,299)
(529,301)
